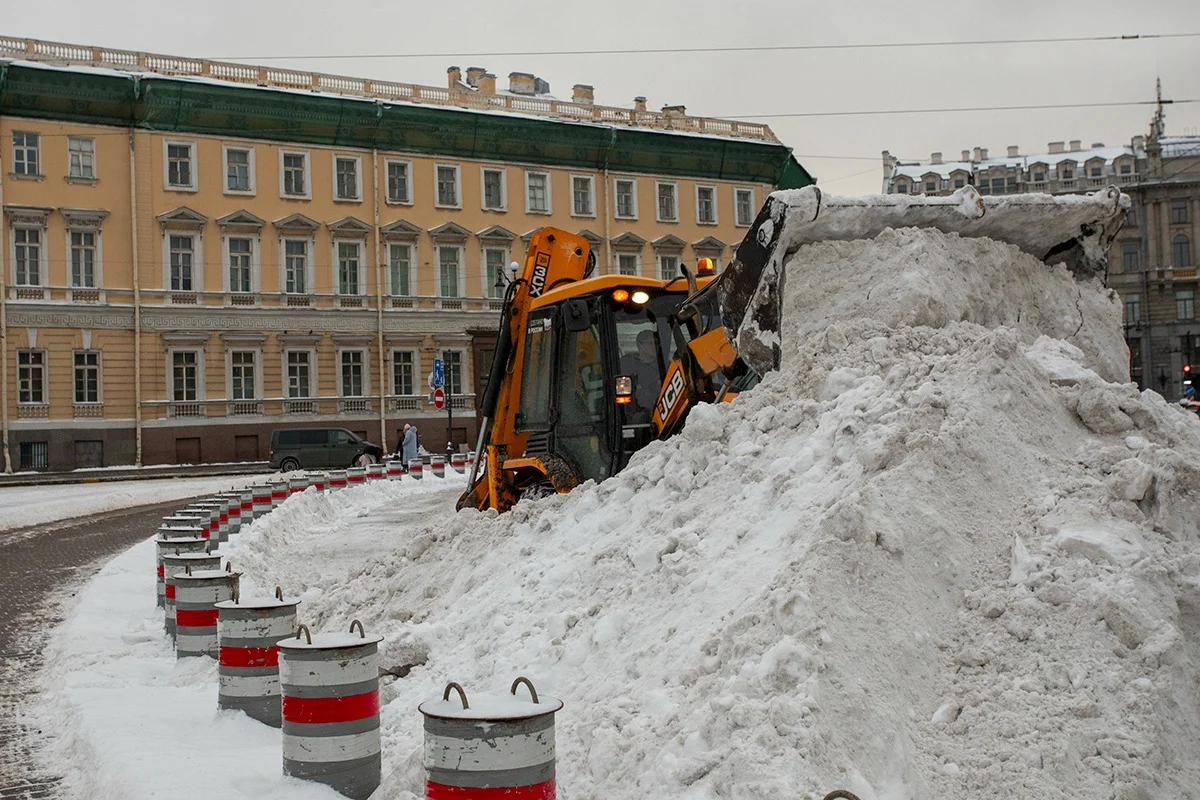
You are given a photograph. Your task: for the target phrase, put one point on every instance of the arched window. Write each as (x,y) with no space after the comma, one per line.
(1182,251)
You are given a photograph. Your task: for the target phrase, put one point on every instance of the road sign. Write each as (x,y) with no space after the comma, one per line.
(439,398)
(439,373)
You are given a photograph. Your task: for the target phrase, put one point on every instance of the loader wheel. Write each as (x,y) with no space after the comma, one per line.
(841,794)
(536,491)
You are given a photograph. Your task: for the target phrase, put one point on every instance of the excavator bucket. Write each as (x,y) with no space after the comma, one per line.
(1072,229)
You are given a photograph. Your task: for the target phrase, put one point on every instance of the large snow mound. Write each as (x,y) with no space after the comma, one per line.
(944,552)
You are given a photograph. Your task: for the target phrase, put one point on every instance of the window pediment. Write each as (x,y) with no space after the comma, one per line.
(182,217)
(296,223)
(668,242)
(527,237)
(593,239)
(186,337)
(27,215)
(449,232)
(241,219)
(496,233)
(84,217)
(349,226)
(400,229)
(709,244)
(628,239)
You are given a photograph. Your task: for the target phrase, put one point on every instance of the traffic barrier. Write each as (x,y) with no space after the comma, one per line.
(279,493)
(184,519)
(375,472)
(262,500)
(416,469)
(330,701)
(182,531)
(438,465)
(498,747)
(211,519)
(297,485)
(316,480)
(218,521)
(233,510)
(338,480)
(471,460)
(163,546)
(197,593)
(395,469)
(356,476)
(248,633)
(176,564)
(458,462)
(247,511)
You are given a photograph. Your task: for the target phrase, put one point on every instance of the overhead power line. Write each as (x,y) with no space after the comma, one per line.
(736,49)
(953,110)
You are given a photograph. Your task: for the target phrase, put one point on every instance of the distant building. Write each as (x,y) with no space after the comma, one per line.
(196,252)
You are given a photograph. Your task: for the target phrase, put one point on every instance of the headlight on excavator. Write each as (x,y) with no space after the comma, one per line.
(620,295)
(640,297)
(624,386)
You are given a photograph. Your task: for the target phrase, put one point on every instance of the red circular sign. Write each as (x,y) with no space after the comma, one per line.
(439,398)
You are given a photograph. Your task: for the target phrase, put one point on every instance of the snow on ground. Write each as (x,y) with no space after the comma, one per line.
(939,554)
(32,505)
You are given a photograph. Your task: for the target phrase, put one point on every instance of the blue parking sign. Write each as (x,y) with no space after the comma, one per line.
(439,373)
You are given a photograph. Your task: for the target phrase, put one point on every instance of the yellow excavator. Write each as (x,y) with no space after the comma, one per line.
(589,369)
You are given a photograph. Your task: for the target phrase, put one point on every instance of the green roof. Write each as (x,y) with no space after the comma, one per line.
(173,105)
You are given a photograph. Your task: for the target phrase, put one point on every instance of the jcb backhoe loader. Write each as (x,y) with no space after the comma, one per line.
(589,369)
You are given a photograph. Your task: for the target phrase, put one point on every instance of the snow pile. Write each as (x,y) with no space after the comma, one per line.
(939,554)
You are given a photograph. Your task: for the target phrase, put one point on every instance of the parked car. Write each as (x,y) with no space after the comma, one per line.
(318,448)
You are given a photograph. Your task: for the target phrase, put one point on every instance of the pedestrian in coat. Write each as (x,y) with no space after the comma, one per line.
(408,445)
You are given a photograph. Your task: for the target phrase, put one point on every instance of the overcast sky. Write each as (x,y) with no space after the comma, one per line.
(842,151)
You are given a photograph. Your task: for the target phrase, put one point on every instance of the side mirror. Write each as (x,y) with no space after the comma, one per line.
(576,315)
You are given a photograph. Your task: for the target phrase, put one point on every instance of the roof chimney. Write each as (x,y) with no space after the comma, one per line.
(675,111)
(966,155)
(983,154)
(453,77)
(978,154)
(1014,150)
(520,83)
(473,76)
(487,83)
(639,103)
(1139,142)
(584,94)
(1075,145)
(1055,147)
(936,158)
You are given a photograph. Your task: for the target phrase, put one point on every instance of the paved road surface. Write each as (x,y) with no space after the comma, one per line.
(41,567)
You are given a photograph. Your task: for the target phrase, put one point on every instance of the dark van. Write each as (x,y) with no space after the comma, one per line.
(319,448)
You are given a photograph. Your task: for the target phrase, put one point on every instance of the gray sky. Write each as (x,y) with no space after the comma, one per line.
(744,84)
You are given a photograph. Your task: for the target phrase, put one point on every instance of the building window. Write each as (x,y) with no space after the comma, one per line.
(493,189)
(668,210)
(494,259)
(582,196)
(1185,304)
(1182,252)
(348,263)
(931,187)
(901,187)
(239,170)
(627,263)
(743,202)
(453,363)
(295,266)
(706,205)
(447,185)
(1126,168)
(345,173)
(83,259)
(352,373)
(1133,309)
(35,455)
(1068,172)
(1131,217)
(998,185)
(1131,257)
(242,381)
(397,182)
(87,377)
(1179,213)
(1039,177)
(182,255)
(403,372)
(180,173)
(27,256)
(448,261)
(537,192)
(626,192)
(31,376)
(668,266)
(299,373)
(25,153)
(240,269)
(294,174)
(400,269)
(185,376)
(1096,171)
(81,157)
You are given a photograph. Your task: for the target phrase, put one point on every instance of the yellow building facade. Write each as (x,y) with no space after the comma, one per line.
(189,265)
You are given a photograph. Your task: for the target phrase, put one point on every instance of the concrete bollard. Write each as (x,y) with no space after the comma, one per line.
(163,546)
(197,593)
(458,462)
(248,633)
(233,510)
(316,480)
(210,519)
(337,480)
(218,524)
(247,513)
(471,460)
(375,472)
(416,469)
(181,531)
(297,485)
(186,519)
(279,493)
(330,690)
(438,465)
(177,564)
(493,747)
(262,500)
(395,469)
(356,476)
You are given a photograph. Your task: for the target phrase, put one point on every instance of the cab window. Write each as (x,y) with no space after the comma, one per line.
(534,408)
